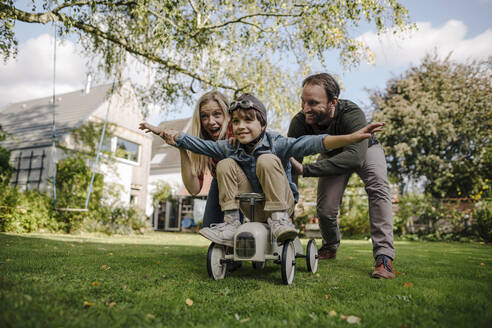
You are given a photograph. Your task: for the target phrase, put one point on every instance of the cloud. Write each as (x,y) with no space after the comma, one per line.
(401,50)
(30,75)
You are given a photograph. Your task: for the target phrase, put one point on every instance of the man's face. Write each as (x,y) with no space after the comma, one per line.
(315,104)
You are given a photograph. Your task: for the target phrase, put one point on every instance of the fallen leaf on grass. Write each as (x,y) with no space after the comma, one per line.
(165,253)
(403,326)
(8,260)
(150,315)
(332,313)
(482,264)
(189,302)
(398,273)
(237,316)
(95,283)
(158,262)
(105,267)
(350,258)
(88,304)
(55,248)
(408,284)
(350,318)
(110,304)
(327,296)
(124,287)
(244,320)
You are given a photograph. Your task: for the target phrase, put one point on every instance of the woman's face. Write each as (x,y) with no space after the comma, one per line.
(211,118)
(246,128)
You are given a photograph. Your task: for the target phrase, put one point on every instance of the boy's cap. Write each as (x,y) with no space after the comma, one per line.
(256,104)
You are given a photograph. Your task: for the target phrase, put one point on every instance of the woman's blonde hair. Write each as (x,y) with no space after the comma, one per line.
(200,162)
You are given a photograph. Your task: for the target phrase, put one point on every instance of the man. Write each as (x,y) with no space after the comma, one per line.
(323,112)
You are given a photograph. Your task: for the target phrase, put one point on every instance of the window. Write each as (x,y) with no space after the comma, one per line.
(126,149)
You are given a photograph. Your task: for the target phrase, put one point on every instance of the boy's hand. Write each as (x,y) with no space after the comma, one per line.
(365,132)
(169,135)
(296,166)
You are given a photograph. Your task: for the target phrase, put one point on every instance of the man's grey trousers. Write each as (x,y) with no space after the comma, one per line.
(330,192)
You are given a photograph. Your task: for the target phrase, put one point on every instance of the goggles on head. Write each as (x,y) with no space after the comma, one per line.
(244,104)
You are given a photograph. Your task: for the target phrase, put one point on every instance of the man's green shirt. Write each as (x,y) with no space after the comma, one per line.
(348,118)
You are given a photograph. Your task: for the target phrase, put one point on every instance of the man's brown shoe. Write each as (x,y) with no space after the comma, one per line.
(324,253)
(384,268)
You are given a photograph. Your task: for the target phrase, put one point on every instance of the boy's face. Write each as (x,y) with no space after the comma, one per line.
(245,125)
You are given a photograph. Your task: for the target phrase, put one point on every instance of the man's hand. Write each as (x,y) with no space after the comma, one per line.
(365,132)
(169,135)
(297,166)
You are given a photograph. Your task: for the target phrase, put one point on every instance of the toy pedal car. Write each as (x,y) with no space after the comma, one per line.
(254,242)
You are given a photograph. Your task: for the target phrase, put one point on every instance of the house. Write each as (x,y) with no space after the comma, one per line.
(29,126)
(165,166)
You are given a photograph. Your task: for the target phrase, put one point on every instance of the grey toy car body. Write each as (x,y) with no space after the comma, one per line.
(254,242)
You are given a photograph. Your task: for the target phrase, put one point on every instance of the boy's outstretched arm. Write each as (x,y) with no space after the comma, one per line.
(169,135)
(334,142)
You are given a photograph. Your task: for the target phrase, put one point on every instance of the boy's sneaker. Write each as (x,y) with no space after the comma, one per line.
(222,233)
(281,227)
(384,267)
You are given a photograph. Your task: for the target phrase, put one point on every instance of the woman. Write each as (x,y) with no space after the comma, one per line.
(210,122)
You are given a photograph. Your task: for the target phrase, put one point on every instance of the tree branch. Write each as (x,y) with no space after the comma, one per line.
(241,20)
(44,18)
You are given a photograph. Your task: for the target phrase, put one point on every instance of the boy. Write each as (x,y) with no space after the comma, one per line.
(259,163)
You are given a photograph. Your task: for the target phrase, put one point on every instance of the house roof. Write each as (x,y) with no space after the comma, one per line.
(30,122)
(163,155)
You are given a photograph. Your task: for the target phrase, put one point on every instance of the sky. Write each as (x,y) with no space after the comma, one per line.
(460,27)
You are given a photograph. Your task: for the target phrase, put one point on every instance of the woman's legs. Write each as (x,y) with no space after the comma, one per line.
(213,213)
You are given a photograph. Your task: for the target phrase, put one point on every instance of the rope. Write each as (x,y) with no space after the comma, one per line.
(53,135)
(99,146)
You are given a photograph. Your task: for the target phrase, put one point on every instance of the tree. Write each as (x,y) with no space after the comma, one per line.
(438,126)
(235,46)
(5,167)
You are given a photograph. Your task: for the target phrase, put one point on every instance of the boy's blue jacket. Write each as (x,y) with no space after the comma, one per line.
(273,143)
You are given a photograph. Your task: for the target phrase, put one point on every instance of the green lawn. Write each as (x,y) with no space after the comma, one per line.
(160,279)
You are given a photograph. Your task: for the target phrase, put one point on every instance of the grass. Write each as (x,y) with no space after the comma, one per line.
(90,281)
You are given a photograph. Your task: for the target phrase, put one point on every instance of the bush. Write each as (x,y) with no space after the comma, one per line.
(117,220)
(73,178)
(423,217)
(25,212)
(482,222)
